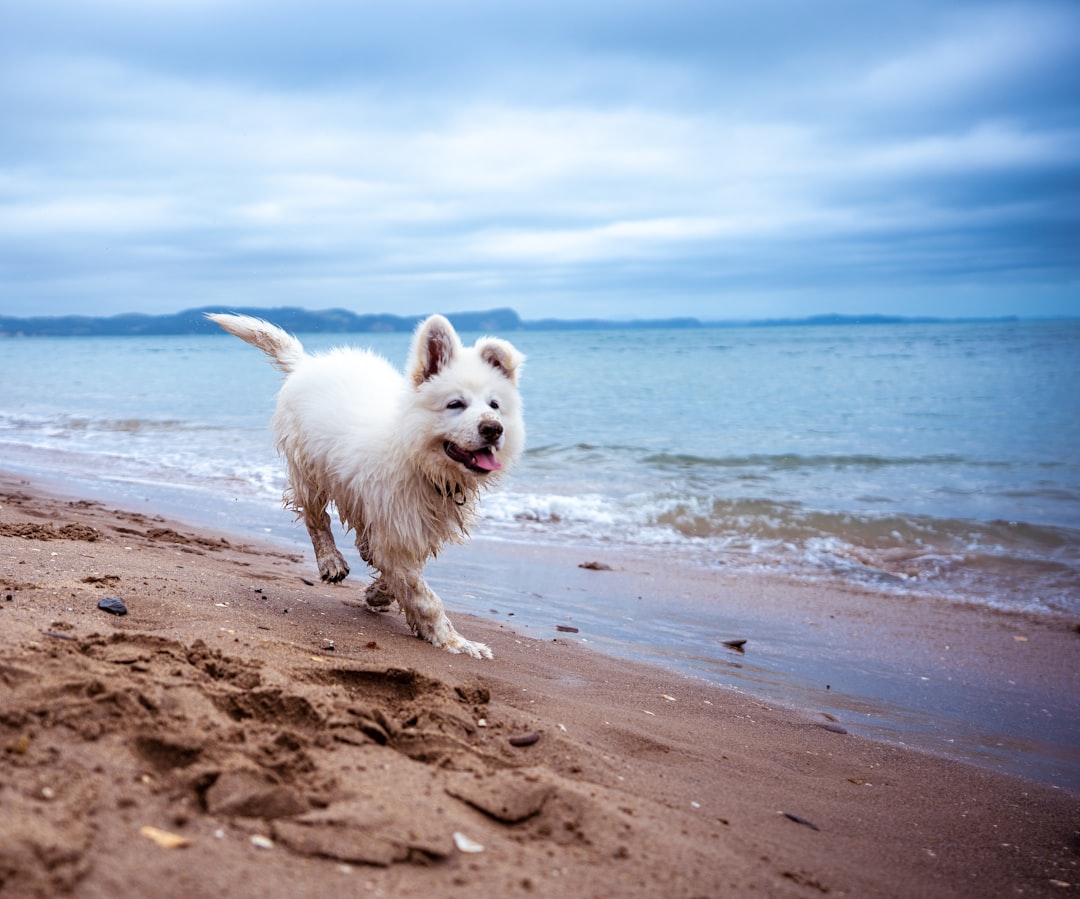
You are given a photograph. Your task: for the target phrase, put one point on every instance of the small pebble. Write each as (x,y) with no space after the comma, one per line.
(261,842)
(112,605)
(525,739)
(164,839)
(464,844)
(20,745)
(799,820)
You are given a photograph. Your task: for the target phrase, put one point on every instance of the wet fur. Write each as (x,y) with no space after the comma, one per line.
(400,457)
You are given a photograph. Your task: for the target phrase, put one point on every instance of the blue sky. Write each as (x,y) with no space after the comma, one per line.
(615,158)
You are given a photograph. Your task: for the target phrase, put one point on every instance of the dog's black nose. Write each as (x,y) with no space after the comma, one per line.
(490,430)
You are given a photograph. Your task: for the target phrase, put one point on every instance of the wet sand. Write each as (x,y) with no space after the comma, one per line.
(244,730)
(998,688)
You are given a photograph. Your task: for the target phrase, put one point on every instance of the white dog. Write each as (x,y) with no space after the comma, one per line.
(403,459)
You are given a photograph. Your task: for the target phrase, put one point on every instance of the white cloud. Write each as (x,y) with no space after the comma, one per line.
(93,214)
(989,146)
(594,157)
(979,51)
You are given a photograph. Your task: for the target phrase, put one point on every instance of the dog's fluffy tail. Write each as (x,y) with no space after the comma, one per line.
(284,350)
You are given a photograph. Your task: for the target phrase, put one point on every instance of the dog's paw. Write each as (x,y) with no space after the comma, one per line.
(333,568)
(443,635)
(470,648)
(377,596)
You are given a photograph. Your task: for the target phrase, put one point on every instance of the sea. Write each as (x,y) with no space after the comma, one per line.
(938,459)
(933,459)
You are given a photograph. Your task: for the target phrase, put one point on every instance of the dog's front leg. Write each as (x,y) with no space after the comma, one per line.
(332,564)
(426,616)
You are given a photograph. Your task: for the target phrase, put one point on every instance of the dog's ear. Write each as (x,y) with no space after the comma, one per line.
(501,356)
(434,346)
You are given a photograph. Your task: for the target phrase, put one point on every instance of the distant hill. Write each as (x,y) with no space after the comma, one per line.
(299,321)
(341,321)
(194,321)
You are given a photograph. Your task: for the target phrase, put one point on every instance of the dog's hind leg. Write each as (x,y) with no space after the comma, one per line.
(332,564)
(426,616)
(309,502)
(378,596)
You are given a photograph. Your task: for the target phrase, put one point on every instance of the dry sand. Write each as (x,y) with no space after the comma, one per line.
(243,731)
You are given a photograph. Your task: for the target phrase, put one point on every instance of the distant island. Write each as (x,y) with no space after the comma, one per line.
(341,321)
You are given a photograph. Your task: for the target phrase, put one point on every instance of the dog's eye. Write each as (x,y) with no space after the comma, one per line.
(494,404)
(456,404)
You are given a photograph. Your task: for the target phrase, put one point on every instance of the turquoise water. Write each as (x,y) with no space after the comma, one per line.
(918,458)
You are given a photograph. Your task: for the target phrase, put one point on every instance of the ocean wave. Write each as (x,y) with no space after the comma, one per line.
(702,518)
(82,425)
(1009,564)
(793,461)
(589,509)
(668,461)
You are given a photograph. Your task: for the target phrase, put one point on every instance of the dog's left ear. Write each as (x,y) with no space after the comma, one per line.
(501,356)
(434,346)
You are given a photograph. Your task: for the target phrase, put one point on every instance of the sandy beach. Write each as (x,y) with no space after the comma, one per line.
(245,729)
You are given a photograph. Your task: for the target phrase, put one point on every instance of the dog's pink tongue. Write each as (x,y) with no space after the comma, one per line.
(486,460)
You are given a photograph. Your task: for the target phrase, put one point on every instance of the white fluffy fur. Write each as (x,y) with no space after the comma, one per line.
(402,458)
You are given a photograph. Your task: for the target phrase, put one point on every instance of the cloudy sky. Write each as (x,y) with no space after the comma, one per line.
(618,158)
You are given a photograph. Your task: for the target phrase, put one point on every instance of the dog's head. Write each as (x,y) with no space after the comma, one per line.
(466,408)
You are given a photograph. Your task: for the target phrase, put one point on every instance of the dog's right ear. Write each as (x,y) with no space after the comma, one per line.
(501,356)
(434,346)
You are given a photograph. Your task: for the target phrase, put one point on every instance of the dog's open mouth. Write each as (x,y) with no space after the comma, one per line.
(480,460)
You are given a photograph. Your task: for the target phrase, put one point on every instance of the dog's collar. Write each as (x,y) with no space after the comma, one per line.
(454,492)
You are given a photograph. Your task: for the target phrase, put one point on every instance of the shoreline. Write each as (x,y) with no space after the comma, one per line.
(237,702)
(996,688)
(971,682)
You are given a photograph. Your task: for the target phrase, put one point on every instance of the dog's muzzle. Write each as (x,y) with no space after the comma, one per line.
(479,461)
(490,431)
